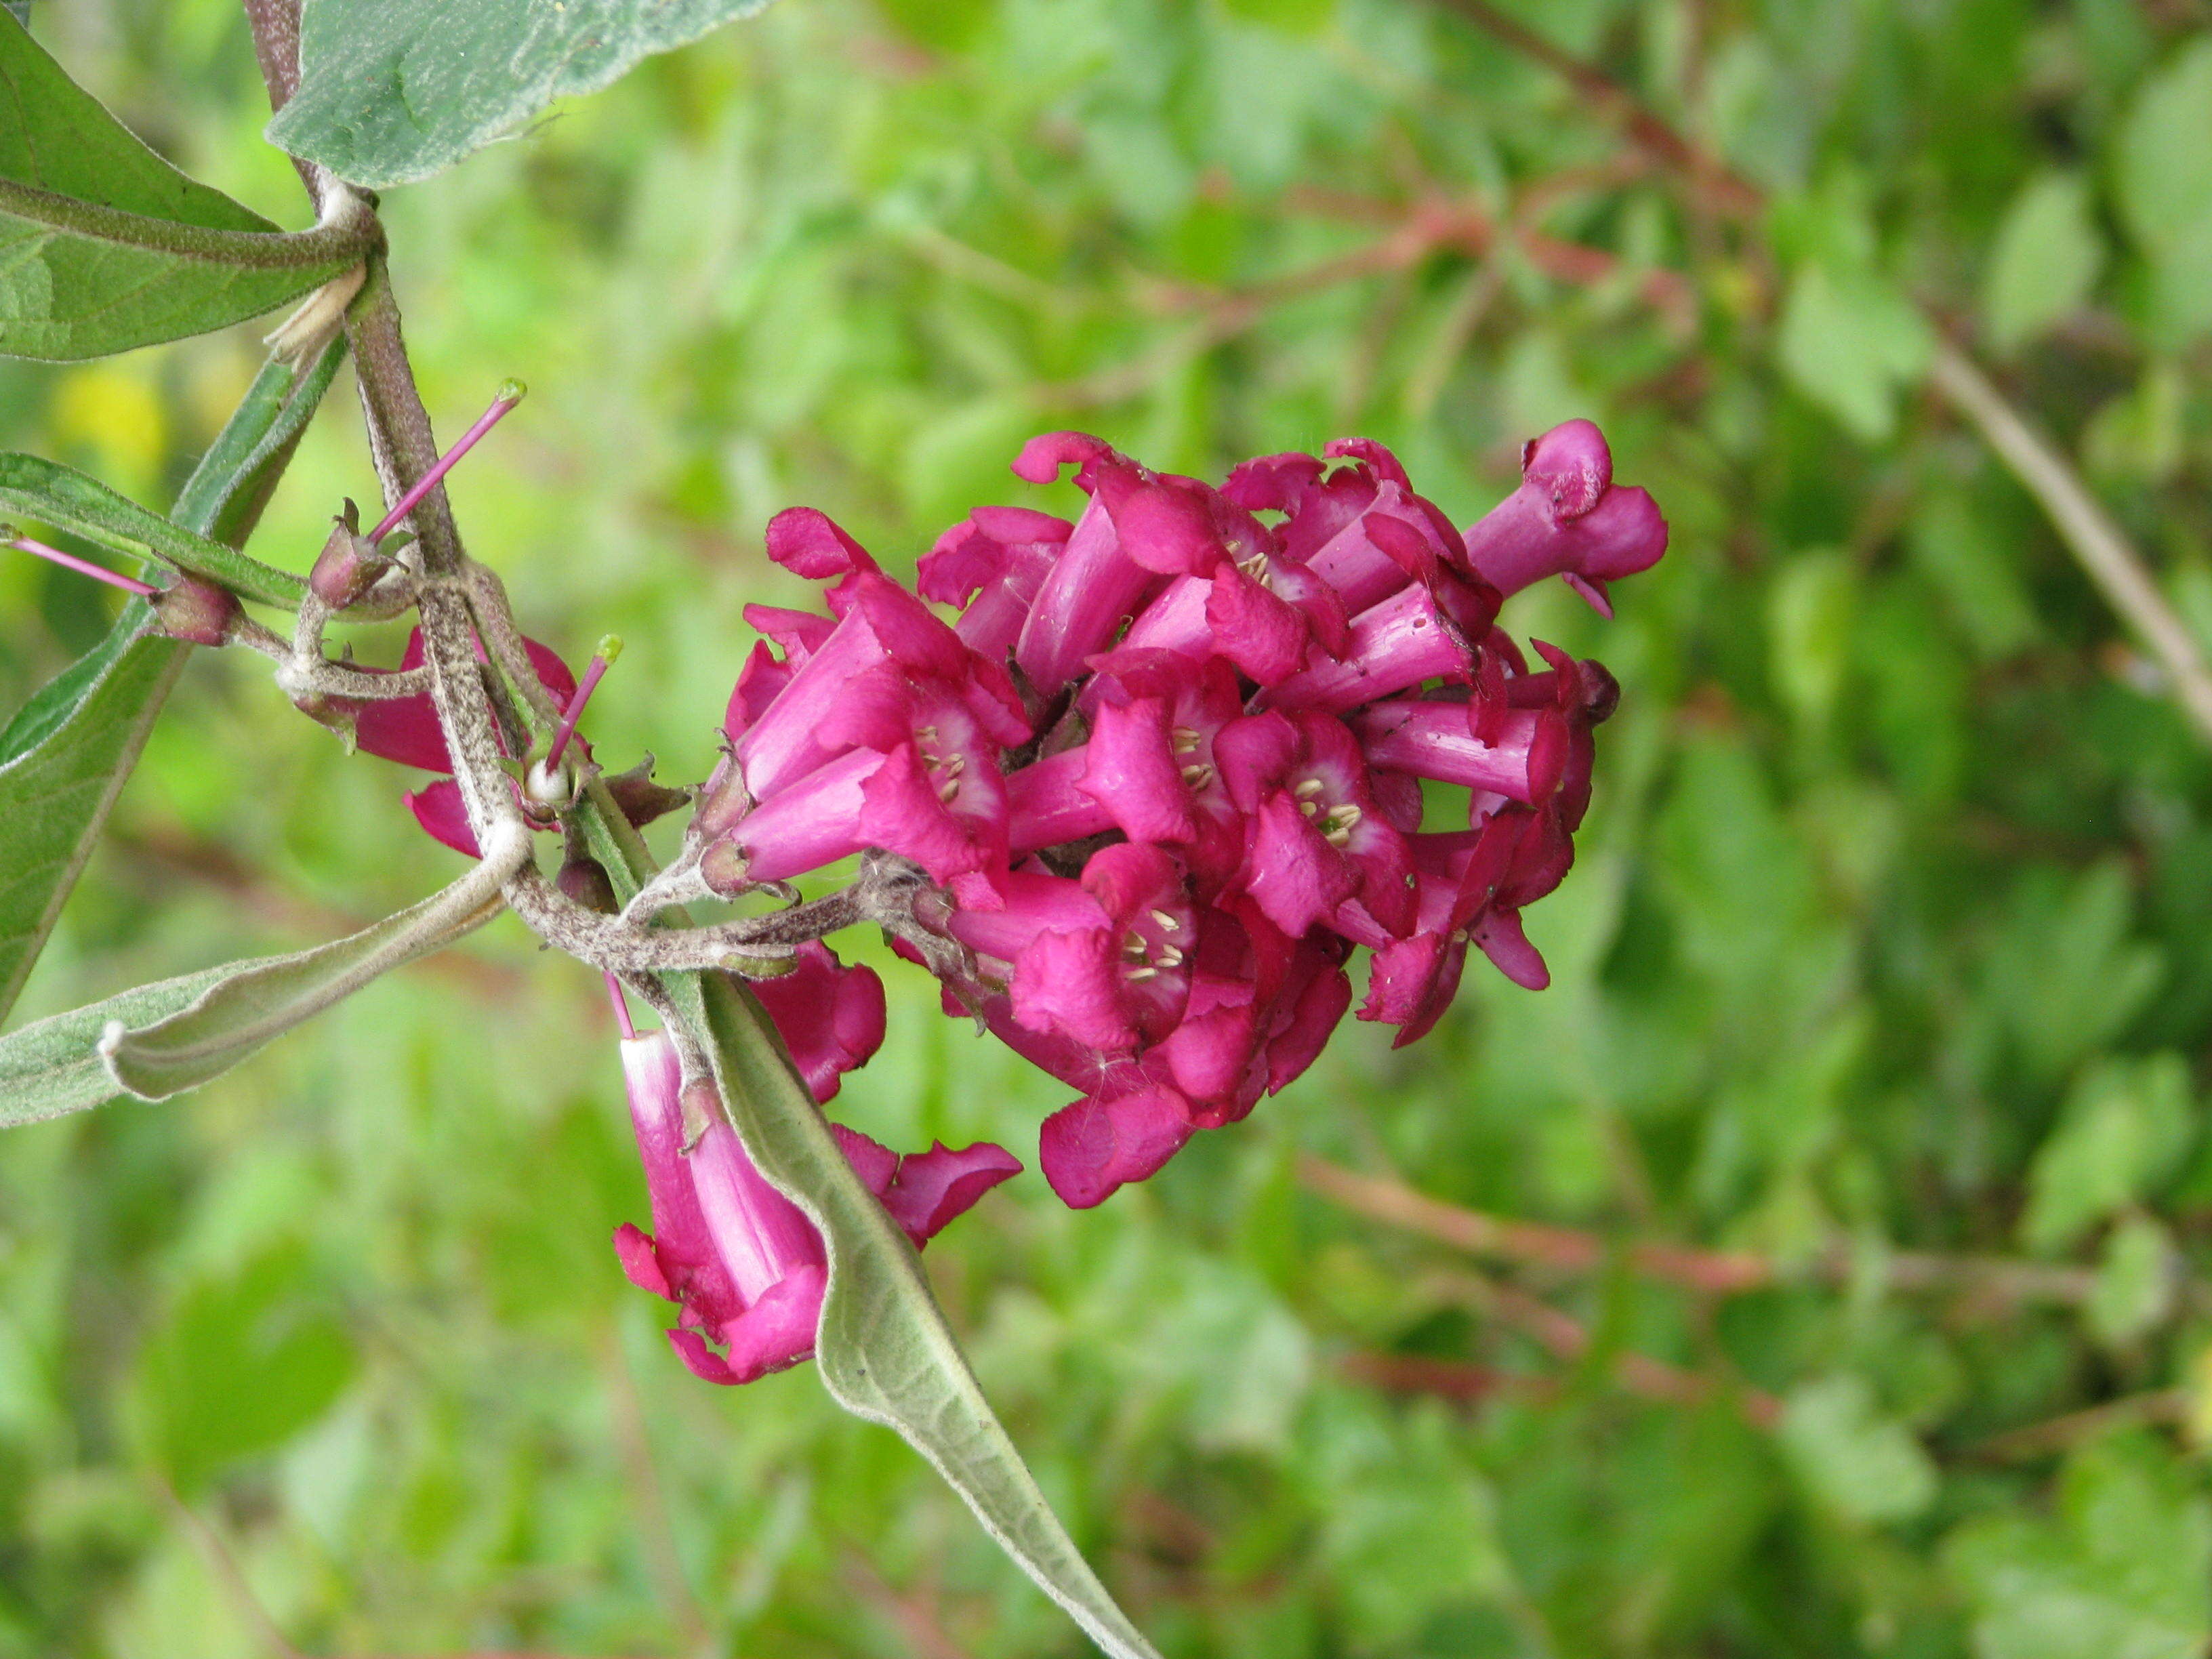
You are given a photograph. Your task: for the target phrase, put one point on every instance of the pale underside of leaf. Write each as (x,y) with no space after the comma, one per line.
(246,1009)
(396,91)
(52,1066)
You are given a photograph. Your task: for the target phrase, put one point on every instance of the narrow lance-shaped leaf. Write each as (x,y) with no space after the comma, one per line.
(46,490)
(884,1347)
(247,1008)
(400,90)
(65,755)
(52,1066)
(104,246)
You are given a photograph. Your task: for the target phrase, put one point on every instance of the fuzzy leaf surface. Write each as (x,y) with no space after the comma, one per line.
(257,1001)
(105,247)
(396,91)
(52,1066)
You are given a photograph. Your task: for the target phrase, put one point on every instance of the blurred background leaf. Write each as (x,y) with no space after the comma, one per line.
(1867,1109)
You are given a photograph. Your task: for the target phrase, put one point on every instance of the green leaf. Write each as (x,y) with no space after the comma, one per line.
(2046,261)
(254,1002)
(68,754)
(65,755)
(395,92)
(2164,179)
(104,246)
(2066,972)
(1850,341)
(884,1348)
(53,1068)
(2126,1125)
(56,494)
(2123,1573)
(223,498)
(1862,1465)
(269,1322)
(1809,620)
(2135,1284)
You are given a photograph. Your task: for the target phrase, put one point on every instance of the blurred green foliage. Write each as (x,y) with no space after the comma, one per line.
(1889,951)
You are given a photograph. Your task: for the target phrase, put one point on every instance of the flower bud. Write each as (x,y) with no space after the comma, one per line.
(192,610)
(584,879)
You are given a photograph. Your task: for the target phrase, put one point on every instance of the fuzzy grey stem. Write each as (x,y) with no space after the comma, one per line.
(464,712)
(488,601)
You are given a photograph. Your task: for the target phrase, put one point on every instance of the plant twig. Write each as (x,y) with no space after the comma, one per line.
(2100,545)
(2058,1434)
(2097,544)
(1726,188)
(2000,1282)
(1566,1337)
(219,1559)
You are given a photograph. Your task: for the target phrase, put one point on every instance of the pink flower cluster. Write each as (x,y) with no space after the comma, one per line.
(1173,762)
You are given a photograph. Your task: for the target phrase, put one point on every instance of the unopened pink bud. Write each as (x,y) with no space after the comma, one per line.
(194,612)
(348,565)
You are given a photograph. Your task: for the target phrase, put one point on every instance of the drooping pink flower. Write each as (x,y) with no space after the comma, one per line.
(744,1262)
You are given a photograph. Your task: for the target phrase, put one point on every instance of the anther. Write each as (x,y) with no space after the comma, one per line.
(1310,788)
(1142,973)
(1184,740)
(1198,777)
(1167,919)
(510,393)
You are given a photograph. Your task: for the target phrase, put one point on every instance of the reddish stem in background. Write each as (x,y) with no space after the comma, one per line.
(84,566)
(510,393)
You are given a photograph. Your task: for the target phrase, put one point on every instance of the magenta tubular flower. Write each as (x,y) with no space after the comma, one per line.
(830,1017)
(744,1262)
(882,729)
(1101,961)
(1094,584)
(1567,519)
(1526,762)
(1148,770)
(1426,630)
(1212,771)
(992,565)
(1319,840)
